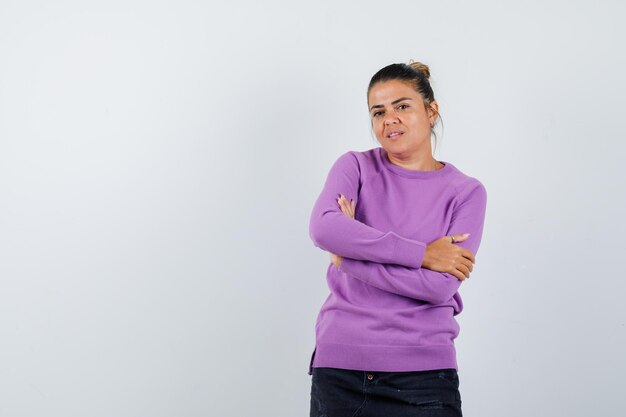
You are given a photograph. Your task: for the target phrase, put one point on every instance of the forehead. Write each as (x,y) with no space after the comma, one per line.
(388,91)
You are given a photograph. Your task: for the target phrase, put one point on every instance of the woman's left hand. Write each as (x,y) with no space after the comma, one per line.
(347,208)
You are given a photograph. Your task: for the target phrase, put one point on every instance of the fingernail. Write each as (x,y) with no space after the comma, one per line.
(466,234)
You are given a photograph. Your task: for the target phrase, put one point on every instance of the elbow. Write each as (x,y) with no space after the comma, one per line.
(315,236)
(322,228)
(317,232)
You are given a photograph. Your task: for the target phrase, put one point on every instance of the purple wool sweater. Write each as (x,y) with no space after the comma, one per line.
(384,312)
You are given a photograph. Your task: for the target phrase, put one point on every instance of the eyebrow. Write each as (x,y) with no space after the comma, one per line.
(393,102)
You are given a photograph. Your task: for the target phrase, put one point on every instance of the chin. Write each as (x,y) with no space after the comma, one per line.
(396,148)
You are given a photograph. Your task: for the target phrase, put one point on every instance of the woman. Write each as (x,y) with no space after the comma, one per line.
(402,230)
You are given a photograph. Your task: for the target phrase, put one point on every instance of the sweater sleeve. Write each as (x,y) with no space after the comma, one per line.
(421,283)
(333,231)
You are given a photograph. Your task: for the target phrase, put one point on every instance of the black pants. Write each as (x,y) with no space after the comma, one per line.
(349,393)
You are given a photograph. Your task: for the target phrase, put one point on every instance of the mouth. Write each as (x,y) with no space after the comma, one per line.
(394,135)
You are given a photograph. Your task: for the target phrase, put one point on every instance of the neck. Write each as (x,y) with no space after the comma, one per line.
(416,163)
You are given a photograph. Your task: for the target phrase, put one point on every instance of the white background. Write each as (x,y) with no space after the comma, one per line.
(159,161)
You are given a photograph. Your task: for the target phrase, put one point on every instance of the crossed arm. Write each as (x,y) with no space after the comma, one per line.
(436,284)
(386,260)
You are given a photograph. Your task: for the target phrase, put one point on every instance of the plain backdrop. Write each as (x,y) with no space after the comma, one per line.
(159,161)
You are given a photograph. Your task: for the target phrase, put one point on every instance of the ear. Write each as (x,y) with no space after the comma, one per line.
(433,112)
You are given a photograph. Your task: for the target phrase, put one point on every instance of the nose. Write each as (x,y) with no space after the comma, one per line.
(390,119)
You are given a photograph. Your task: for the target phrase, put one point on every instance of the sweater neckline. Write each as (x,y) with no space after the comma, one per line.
(410,173)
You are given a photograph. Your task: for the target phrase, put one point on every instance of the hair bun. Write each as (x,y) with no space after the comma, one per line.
(421,67)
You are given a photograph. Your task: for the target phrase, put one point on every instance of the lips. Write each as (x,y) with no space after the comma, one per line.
(395,134)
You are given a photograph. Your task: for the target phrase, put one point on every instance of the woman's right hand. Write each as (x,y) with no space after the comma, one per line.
(444,256)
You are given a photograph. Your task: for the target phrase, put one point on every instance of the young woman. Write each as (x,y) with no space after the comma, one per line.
(402,230)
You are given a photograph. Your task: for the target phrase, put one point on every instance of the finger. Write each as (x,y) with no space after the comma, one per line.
(462,237)
(350,207)
(460,276)
(468,264)
(464,270)
(466,253)
(465,264)
(459,237)
(344,209)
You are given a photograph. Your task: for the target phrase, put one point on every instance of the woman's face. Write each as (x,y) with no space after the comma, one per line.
(399,119)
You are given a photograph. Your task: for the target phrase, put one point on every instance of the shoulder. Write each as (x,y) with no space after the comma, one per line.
(465,185)
(361,156)
(362,161)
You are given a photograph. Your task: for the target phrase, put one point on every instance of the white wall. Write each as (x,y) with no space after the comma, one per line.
(159,161)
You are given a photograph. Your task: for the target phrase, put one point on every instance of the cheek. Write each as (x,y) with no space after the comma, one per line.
(377,128)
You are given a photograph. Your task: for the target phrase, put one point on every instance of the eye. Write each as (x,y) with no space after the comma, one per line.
(377,113)
(403,106)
